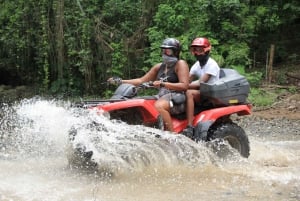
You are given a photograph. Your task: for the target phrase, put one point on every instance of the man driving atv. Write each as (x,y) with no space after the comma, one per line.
(205,69)
(171,77)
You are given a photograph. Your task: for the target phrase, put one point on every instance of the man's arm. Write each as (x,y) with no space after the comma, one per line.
(196,84)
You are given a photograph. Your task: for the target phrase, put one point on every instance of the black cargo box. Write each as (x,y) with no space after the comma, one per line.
(231,89)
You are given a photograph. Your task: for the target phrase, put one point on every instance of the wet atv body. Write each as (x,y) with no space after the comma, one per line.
(212,116)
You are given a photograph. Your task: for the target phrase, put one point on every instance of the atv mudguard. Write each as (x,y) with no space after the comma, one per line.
(206,119)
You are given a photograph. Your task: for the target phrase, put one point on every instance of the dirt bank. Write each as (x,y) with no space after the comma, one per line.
(287,107)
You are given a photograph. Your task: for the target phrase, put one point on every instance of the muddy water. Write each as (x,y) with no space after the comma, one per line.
(134,164)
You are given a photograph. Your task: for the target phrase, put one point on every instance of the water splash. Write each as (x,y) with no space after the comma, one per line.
(34,127)
(117,146)
(40,128)
(34,137)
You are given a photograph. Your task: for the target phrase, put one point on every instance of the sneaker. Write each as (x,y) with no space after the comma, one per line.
(189,131)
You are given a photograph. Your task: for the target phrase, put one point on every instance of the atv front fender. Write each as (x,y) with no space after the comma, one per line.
(203,121)
(146,108)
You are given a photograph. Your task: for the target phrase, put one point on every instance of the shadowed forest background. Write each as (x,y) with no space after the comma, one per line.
(70,47)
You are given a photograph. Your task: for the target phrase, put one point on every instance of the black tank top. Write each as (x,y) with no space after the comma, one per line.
(167,74)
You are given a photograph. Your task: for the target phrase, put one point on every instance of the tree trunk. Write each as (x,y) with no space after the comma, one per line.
(270,65)
(60,38)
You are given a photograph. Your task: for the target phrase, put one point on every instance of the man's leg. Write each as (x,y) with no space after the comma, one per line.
(191,95)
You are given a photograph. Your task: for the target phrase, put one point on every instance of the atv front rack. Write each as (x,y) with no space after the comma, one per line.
(92,103)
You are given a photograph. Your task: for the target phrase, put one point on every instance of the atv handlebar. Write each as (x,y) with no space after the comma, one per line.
(146,85)
(118,81)
(114,81)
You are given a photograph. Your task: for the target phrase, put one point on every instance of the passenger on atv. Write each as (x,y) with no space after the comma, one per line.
(206,70)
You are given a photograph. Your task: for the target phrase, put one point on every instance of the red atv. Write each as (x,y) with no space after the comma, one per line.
(212,116)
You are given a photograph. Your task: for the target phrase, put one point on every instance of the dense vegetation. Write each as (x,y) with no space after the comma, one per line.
(72,46)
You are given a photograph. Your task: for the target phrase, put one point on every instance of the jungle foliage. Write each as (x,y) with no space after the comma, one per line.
(73,46)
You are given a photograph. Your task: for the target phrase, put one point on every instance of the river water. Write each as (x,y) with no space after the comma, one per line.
(135,163)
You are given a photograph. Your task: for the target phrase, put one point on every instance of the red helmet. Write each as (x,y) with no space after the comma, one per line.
(201,42)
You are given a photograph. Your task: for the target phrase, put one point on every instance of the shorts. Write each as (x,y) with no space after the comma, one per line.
(175,108)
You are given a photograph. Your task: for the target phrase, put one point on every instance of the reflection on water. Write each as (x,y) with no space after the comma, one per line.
(34,161)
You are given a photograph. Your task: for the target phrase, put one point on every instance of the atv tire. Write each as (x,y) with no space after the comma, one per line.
(77,155)
(234,135)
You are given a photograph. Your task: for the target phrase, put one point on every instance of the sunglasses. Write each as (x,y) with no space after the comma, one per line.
(196,50)
(168,52)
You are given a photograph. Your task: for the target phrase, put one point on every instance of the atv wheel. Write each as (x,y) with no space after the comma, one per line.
(77,155)
(234,135)
(79,158)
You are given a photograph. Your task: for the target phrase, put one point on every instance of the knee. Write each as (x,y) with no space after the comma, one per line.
(189,94)
(158,105)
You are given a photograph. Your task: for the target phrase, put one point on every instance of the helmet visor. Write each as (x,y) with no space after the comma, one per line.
(197,50)
(168,52)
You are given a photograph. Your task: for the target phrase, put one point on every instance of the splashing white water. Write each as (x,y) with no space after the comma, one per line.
(34,137)
(42,128)
(38,127)
(117,146)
